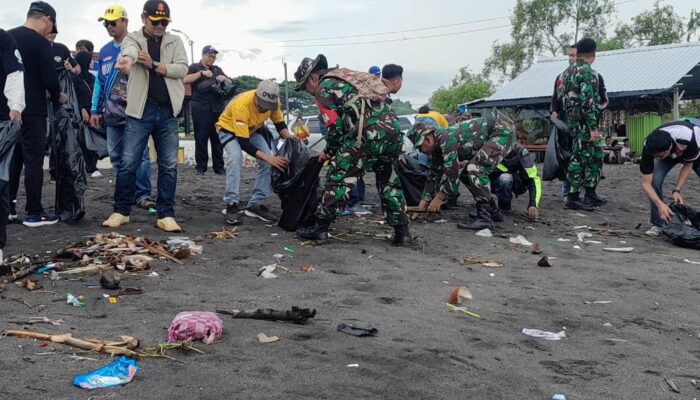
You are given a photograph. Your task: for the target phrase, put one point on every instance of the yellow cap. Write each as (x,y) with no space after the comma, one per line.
(114,13)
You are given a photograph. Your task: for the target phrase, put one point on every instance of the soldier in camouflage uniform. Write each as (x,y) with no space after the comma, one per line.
(483,144)
(581,102)
(363,135)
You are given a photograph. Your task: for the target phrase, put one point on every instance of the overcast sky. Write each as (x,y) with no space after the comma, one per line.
(254,36)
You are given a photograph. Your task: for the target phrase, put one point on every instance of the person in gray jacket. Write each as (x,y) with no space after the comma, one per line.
(156,63)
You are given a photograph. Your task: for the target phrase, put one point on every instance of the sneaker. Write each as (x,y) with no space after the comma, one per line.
(233,214)
(146,204)
(168,224)
(35,221)
(260,212)
(360,210)
(116,220)
(199,172)
(97,174)
(220,171)
(654,231)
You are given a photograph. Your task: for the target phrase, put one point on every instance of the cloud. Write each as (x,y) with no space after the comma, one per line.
(217,3)
(281,28)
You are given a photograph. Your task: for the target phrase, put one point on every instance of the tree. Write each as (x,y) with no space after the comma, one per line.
(466,86)
(660,25)
(401,107)
(548,27)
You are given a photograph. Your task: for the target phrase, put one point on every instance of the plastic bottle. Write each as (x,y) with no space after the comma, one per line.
(558,397)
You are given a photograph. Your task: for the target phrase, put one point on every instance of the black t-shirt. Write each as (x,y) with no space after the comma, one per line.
(157,90)
(203,97)
(10,61)
(60,54)
(39,74)
(685,149)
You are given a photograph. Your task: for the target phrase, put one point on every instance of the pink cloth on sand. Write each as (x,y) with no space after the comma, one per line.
(195,325)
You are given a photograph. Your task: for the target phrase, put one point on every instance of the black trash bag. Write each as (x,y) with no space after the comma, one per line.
(679,231)
(225,89)
(558,154)
(69,173)
(298,186)
(9,134)
(412,175)
(96,140)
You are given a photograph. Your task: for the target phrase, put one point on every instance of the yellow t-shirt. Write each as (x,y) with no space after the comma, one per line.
(442,122)
(242,117)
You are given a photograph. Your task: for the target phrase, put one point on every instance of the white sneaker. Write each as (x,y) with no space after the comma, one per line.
(360,210)
(654,231)
(97,174)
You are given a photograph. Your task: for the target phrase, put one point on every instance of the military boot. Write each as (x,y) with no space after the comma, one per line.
(317,231)
(496,214)
(573,202)
(402,236)
(592,199)
(483,219)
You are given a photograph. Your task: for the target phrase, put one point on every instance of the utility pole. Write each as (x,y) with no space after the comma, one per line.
(189,41)
(286,89)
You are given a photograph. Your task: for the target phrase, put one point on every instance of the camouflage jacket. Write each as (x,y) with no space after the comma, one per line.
(459,143)
(381,130)
(581,98)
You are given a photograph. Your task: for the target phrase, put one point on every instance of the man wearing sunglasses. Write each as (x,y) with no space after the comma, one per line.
(39,77)
(109,102)
(207,105)
(156,63)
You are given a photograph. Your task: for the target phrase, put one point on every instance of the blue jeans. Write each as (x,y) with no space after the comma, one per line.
(661,169)
(115,147)
(159,123)
(503,188)
(233,158)
(357,194)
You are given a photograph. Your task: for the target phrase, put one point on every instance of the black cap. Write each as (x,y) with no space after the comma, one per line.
(46,9)
(156,10)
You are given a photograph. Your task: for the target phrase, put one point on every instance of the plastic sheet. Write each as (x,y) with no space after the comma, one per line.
(118,372)
(558,154)
(680,233)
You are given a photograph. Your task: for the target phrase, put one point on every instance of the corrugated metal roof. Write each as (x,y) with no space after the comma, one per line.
(629,70)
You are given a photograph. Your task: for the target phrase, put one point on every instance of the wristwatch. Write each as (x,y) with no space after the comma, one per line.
(154,65)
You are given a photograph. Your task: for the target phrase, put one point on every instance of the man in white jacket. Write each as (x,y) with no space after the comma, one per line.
(11,106)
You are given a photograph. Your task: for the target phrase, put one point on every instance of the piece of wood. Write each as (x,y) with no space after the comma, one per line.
(92,268)
(122,348)
(22,273)
(154,249)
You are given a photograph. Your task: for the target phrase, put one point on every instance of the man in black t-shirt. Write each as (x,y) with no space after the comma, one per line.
(39,77)
(61,56)
(11,106)
(673,143)
(207,105)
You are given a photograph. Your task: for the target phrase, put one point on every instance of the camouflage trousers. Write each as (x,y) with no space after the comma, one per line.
(483,164)
(346,168)
(586,159)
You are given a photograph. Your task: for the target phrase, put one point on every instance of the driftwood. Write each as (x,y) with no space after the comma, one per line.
(22,273)
(125,347)
(157,250)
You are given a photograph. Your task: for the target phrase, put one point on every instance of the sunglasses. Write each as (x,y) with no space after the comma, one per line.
(109,23)
(162,22)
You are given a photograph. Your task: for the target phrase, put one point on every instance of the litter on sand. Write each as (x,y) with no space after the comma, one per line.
(482,261)
(74,301)
(486,233)
(520,239)
(459,293)
(580,236)
(544,334)
(195,325)
(544,262)
(226,233)
(619,249)
(691,261)
(267,271)
(353,365)
(119,372)
(563,240)
(462,310)
(358,330)
(598,302)
(263,338)
(536,249)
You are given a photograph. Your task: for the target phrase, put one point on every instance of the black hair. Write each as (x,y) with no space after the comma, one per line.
(34,14)
(625,141)
(614,143)
(585,46)
(391,71)
(572,46)
(424,109)
(658,141)
(85,43)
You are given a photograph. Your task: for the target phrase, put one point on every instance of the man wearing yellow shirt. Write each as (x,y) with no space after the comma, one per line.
(431,118)
(237,127)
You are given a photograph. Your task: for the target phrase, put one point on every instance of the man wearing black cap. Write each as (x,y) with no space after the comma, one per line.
(363,135)
(39,77)
(156,63)
(670,144)
(207,105)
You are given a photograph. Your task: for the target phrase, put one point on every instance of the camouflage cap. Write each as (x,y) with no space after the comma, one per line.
(418,132)
(305,69)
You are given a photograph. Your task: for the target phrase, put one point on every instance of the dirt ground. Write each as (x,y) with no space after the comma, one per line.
(624,349)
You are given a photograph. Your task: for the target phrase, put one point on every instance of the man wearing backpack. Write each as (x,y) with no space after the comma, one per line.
(363,134)
(670,144)
(109,102)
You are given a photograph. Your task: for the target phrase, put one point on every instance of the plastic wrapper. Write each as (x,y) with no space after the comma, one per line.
(68,163)
(558,154)
(9,134)
(119,372)
(196,325)
(297,186)
(684,228)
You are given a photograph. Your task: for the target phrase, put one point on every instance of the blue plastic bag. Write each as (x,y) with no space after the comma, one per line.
(118,372)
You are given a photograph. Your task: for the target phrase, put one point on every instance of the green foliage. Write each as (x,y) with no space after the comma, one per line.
(466,86)
(401,107)
(660,25)
(299,102)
